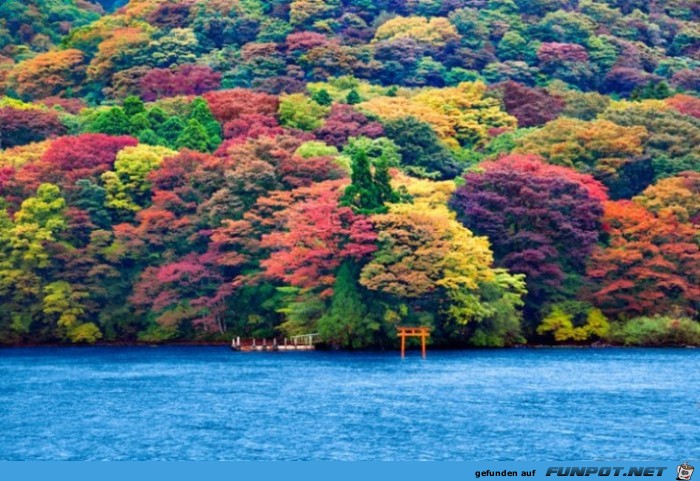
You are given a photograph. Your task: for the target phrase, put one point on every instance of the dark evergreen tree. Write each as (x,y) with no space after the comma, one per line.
(202,114)
(157,117)
(347,323)
(353,97)
(171,130)
(322,97)
(361,194)
(367,193)
(382,182)
(422,153)
(91,198)
(652,90)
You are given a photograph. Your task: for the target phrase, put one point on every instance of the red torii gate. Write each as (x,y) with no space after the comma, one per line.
(404,332)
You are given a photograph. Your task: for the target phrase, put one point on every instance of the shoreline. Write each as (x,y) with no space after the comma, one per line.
(440,348)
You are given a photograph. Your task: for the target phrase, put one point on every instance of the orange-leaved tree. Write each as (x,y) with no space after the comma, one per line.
(650,265)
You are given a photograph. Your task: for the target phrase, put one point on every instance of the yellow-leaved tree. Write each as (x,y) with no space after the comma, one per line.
(437,31)
(469,111)
(460,115)
(679,195)
(127,187)
(599,146)
(426,255)
(560,324)
(25,154)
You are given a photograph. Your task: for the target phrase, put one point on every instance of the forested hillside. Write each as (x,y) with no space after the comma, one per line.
(28,27)
(503,171)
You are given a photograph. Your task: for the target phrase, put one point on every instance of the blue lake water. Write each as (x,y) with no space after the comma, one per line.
(208,403)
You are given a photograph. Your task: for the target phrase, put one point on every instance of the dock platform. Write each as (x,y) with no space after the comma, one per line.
(304,342)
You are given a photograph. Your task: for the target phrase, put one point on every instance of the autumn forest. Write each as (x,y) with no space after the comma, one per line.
(506,172)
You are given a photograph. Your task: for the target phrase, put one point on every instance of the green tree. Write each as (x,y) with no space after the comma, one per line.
(63,305)
(379,148)
(513,47)
(171,130)
(38,221)
(353,97)
(382,182)
(322,97)
(111,122)
(202,114)
(92,198)
(156,118)
(574,321)
(347,323)
(652,90)
(133,106)
(422,152)
(139,123)
(127,187)
(503,297)
(24,258)
(300,112)
(314,148)
(368,192)
(149,137)
(193,137)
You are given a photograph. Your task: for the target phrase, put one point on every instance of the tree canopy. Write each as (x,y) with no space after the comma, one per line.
(500,171)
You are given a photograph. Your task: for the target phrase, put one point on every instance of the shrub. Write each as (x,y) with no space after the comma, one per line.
(657,331)
(574,321)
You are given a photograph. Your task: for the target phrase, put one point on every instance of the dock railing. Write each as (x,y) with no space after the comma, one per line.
(303,342)
(306,339)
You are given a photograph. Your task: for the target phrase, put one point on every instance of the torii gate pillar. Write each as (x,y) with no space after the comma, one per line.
(404,332)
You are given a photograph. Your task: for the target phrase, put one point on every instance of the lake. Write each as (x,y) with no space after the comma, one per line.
(208,403)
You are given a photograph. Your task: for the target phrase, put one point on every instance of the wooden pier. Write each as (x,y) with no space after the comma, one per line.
(304,342)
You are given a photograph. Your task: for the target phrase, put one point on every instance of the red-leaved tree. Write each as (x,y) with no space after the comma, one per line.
(345,122)
(188,79)
(318,235)
(70,159)
(20,127)
(227,105)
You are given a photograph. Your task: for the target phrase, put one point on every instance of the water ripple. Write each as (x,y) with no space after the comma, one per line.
(180,403)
